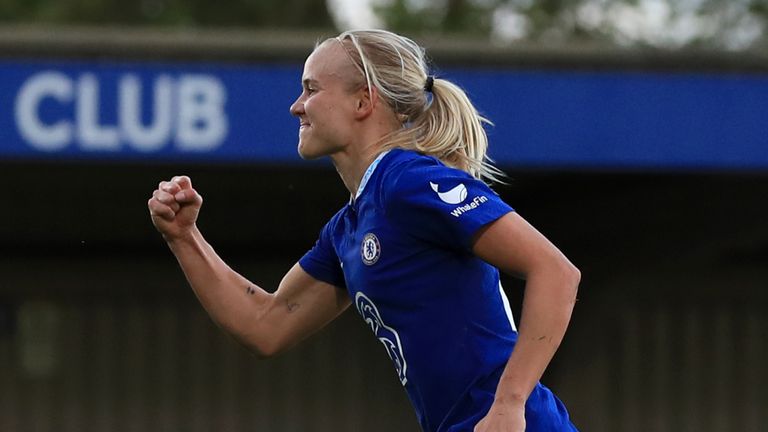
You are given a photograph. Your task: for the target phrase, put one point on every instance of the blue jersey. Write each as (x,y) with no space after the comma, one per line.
(402,249)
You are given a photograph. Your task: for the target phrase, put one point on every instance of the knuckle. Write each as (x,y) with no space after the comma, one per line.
(182,181)
(155,207)
(166,198)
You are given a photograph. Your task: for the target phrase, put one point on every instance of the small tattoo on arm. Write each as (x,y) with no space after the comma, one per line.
(250,290)
(292,306)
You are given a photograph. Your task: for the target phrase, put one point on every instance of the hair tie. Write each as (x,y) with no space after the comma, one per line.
(429,83)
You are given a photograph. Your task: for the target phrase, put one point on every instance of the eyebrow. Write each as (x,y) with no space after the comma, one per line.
(307,81)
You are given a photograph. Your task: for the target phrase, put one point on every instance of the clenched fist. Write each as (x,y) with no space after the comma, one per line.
(174,207)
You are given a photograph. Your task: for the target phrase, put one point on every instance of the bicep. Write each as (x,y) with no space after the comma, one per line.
(315,299)
(301,306)
(516,247)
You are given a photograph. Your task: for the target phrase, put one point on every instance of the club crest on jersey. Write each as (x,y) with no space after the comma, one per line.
(370,250)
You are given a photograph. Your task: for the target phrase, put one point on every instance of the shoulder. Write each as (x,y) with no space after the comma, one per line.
(436,203)
(410,173)
(411,162)
(335,222)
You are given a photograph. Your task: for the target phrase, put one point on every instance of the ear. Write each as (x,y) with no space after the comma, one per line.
(366,101)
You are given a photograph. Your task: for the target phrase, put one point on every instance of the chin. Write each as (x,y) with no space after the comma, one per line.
(316,149)
(306,154)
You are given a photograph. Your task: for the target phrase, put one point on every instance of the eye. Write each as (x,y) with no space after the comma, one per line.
(310,90)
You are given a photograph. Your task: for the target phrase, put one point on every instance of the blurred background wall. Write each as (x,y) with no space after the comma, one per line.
(643,159)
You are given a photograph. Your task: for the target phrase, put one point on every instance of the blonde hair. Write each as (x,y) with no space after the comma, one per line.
(447,127)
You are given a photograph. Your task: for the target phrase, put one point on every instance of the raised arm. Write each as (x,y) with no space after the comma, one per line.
(264,322)
(515,247)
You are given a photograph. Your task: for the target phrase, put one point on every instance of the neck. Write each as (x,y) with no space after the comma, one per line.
(351,165)
(357,156)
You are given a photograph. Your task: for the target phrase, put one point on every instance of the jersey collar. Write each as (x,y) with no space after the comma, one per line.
(367,175)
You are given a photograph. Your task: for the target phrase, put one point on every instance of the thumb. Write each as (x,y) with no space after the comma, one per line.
(187,194)
(183,181)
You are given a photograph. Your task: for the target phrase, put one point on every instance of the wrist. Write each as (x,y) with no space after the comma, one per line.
(181,237)
(510,397)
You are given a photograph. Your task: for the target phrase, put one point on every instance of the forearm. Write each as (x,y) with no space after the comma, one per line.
(513,245)
(233,302)
(547,307)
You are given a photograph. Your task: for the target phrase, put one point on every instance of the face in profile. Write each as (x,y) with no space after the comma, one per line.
(325,108)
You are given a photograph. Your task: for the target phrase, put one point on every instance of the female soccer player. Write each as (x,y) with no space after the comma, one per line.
(416,249)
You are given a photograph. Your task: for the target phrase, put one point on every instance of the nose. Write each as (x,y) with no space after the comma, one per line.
(297,108)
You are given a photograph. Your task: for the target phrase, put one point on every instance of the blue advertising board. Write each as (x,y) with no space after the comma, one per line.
(224,113)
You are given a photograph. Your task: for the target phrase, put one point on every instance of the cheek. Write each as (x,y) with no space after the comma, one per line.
(321,113)
(316,111)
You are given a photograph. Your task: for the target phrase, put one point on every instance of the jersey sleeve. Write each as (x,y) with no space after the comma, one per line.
(321,262)
(442,205)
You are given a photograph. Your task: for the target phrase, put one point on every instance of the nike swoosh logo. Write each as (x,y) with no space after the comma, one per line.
(453,196)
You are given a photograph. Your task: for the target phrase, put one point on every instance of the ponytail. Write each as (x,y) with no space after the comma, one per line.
(450,129)
(445,125)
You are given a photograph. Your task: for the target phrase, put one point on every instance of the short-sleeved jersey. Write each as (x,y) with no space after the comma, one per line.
(402,249)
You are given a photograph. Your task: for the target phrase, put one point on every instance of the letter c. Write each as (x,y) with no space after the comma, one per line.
(45,137)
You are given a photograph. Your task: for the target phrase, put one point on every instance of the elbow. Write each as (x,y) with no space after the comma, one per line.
(564,278)
(572,278)
(264,351)
(561,280)
(253,338)
(259,334)
(260,348)
(573,275)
